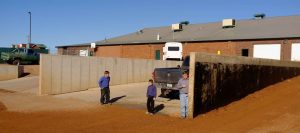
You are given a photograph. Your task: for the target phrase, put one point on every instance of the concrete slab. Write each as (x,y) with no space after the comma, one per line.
(129,95)
(21,85)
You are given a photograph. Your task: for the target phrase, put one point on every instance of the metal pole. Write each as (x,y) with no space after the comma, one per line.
(29,27)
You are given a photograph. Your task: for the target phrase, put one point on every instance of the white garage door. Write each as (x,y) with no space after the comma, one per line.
(267,51)
(295,52)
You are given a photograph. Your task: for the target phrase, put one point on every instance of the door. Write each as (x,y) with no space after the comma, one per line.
(295,52)
(157,54)
(267,51)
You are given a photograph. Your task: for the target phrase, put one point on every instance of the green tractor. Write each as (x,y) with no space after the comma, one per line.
(21,55)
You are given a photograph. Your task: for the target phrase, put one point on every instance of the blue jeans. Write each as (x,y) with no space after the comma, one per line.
(184,105)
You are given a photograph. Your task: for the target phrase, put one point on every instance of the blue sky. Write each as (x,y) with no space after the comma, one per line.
(61,22)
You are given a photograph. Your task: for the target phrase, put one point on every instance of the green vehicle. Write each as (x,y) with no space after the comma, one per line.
(23,56)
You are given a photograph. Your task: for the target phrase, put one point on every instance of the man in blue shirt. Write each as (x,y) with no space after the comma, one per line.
(151,95)
(104,86)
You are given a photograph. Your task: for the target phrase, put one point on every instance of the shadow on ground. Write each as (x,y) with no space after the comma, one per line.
(113,100)
(159,108)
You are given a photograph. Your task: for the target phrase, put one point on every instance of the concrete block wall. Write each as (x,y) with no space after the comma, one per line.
(216,81)
(63,73)
(8,72)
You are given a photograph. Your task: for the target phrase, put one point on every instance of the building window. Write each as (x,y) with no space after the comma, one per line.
(245,52)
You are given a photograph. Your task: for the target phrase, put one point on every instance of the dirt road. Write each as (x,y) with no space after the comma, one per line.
(275,109)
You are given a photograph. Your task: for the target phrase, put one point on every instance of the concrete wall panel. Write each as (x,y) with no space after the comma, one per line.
(130,71)
(150,69)
(124,70)
(10,72)
(45,74)
(136,71)
(94,73)
(118,70)
(56,74)
(66,74)
(144,75)
(85,72)
(76,73)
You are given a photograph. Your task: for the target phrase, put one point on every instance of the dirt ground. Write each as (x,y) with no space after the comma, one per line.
(275,109)
(32,70)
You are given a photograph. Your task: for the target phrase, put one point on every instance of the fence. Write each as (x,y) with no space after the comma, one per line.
(64,73)
(216,80)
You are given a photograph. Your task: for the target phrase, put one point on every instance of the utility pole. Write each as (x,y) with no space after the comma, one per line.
(29,40)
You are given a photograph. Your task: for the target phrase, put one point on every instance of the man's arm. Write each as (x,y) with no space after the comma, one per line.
(178,86)
(155,90)
(100,82)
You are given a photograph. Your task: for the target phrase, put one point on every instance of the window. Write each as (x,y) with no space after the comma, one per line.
(173,48)
(30,51)
(245,52)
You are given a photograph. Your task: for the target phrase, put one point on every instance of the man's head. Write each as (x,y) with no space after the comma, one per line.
(106,73)
(150,81)
(185,74)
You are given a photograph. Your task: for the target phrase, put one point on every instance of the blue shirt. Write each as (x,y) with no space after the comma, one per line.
(104,82)
(151,91)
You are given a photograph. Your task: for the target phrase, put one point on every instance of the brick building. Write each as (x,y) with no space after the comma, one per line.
(257,37)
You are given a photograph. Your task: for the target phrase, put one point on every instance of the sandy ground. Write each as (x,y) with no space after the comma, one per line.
(32,70)
(275,109)
(129,95)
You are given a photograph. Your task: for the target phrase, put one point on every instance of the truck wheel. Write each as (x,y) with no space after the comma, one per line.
(164,92)
(9,62)
(16,62)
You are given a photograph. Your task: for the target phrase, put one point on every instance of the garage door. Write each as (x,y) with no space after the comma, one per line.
(267,51)
(295,52)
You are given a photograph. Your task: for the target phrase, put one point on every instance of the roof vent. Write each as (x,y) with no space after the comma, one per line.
(228,23)
(177,27)
(140,32)
(158,37)
(185,22)
(259,16)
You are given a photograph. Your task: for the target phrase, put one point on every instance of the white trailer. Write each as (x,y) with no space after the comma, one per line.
(172,51)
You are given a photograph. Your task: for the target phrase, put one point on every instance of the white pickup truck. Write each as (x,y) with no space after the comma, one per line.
(172,51)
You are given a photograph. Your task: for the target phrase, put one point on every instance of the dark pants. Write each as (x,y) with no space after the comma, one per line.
(150,104)
(105,96)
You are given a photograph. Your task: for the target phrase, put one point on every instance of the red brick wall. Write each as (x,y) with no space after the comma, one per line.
(147,51)
(226,48)
(108,51)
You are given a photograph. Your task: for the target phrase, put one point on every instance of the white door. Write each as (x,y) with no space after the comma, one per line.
(267,51)
(295,52)
(83,53)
